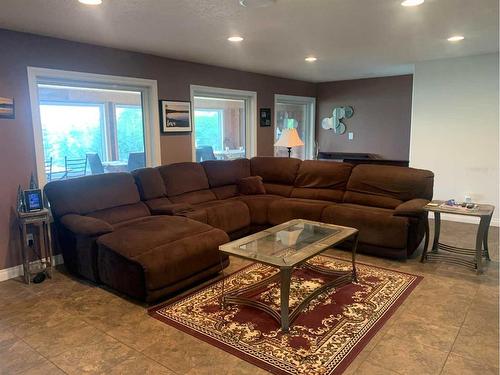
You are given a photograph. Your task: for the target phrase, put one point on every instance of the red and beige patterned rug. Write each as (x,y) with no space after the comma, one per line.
(324,339)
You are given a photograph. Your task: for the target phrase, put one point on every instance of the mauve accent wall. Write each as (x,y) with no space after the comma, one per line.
(20,50)
(381,120)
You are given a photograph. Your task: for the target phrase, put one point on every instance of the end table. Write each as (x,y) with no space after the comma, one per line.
(41,221)
(471,258)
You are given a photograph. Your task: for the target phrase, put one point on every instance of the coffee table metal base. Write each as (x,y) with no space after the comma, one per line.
(285,318)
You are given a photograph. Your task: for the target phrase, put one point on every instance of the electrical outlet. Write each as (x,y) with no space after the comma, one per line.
(29,239)
(350,136)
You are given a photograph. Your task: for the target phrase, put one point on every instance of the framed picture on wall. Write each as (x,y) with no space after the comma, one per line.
(175,116)
(7,108)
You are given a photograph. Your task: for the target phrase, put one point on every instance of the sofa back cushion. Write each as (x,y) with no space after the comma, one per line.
(91,193)
(120,214)
(322,180)
(149,183)
(186,182)
(387,186)
(278,174)
(223,176)
(275,170)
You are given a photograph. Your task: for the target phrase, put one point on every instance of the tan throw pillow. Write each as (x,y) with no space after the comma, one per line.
(251,185)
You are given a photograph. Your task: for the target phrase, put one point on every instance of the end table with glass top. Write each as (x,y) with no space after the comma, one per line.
(286,247)
(470,258)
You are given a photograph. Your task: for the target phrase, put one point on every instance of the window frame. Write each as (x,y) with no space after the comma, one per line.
(250,99)
(310,136)
(149,94)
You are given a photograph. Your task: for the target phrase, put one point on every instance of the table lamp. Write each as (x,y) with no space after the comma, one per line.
(289,138)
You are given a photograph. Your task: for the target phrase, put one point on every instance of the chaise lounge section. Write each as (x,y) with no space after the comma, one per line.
(153,232)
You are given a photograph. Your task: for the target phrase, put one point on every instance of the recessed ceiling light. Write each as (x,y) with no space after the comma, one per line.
(455,38)
(235,39)
(311,59)
(412,3)
(256,3)
(91,2)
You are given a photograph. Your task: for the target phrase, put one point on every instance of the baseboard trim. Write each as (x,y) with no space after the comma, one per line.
(16,271)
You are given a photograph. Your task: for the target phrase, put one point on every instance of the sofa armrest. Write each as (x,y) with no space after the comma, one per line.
(170,208)
(85,225)
(413,207)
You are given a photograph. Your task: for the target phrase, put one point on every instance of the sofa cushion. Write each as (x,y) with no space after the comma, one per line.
(181,178)
(258,206)
(333,195)
(228,215)
(149,183)
(275,170)
(226,172)
(84,225)
(160,250)
(387,186)
(251,185)
(293,208)
(194,197)
(278,189)
(377,226)
(226,191)
(100,192)
(120,214)
(323,174)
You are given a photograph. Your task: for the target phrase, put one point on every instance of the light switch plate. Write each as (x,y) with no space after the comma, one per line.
(350,135)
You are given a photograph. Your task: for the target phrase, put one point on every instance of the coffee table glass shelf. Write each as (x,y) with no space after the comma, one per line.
(286,247)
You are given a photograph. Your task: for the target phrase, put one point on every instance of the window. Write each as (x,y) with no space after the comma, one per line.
(224,123)
(209,130)
(299,111)
(91,124)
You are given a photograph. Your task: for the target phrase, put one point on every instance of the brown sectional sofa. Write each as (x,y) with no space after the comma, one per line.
(157,231)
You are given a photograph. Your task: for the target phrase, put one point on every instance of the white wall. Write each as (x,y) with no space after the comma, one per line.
(455,125)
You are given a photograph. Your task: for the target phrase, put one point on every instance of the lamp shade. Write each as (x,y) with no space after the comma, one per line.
(289,138)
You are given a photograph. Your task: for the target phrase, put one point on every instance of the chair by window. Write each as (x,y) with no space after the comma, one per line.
(48,169)
(135,161)
(95,163)
(205,153)
(75,167)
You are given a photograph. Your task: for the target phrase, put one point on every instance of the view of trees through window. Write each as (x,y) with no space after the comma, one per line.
(129,130)
(208,128)
(71,131)
(88,130)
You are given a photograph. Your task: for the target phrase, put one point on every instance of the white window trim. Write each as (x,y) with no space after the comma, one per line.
(250,98)
(147,87)
(311,113)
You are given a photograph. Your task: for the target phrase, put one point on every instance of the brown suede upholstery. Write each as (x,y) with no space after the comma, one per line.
(377,226)
(149,183)
(387,186)
(252,185)
(107,234)
(293,208)
(156,252)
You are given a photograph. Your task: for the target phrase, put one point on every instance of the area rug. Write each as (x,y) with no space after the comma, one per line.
(325,337)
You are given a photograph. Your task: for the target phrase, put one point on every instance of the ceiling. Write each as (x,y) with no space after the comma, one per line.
(350,38)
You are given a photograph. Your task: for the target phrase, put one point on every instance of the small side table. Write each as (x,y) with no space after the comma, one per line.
(471,258)
(41,221)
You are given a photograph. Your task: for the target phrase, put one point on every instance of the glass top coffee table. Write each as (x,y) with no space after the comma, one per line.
(287,246)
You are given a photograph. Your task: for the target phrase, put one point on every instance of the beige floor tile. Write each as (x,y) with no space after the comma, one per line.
(369,368)
(139,365)
(479,344)
(18,357)
(47,368)
(405,358)
(415,328)
(456,364)
(54,341)
(93,358)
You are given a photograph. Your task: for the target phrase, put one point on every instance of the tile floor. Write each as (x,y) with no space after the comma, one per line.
(448,325)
